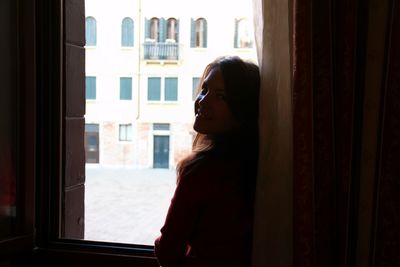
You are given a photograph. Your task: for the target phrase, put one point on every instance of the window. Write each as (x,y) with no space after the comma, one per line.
(154,29)
(171,89)
(243,36)
(161,30)
(172,30)
(153,131)
(170,93)
(92,143)
(195,85)
(198,33)
(125,132)
(90,88)
(161,126)
(91,31)
(161,39)
(154,89)
(125,88)
(127,32)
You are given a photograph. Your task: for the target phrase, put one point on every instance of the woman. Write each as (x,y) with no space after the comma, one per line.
(210,218)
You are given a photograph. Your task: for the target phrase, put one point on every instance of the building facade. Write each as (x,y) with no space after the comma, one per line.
(143,63)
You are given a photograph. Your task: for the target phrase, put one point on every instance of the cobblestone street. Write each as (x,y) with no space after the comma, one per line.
(126,205)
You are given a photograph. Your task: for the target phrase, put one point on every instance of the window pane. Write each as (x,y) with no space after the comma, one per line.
(154,89)
(125,89)
(171,89)
(91,88)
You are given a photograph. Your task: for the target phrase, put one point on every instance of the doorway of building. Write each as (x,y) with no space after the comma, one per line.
(161,151)
(92,143)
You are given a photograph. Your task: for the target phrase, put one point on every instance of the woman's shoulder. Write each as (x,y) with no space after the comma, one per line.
(211,168)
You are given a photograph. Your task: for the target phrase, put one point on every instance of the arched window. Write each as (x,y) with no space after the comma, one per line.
(172,30)
(91,31)
(199,33)
(242,34)
(127,32)
(154,29)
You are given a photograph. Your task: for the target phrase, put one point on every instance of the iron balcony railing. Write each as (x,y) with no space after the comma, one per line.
(161,51)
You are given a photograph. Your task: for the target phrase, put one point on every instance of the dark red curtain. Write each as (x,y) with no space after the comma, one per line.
(386,232)
(329,59)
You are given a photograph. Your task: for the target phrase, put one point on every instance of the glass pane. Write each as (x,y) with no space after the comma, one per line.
(129,185)
(8,119)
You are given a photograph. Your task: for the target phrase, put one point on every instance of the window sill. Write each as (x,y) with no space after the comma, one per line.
(127,48)
(156,102)
(88,253)
(199,49)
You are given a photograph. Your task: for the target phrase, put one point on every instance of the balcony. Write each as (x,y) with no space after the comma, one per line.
(168,50)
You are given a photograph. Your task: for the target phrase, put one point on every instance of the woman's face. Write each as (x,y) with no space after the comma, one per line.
(213,115)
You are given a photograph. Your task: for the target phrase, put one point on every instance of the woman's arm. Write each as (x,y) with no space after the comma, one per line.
(172,245)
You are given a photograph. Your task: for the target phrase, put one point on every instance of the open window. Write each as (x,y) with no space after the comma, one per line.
(86,128)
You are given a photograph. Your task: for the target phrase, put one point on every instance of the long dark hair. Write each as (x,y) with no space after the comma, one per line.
(242,87)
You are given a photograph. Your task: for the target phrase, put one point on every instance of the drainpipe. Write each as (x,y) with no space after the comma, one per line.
(139,59)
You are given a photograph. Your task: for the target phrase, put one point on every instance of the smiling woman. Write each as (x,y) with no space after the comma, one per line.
(210,219)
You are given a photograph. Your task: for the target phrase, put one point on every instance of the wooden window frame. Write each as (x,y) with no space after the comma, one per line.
(59,128)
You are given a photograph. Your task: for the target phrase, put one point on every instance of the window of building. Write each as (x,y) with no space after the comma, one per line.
(171,89)
(243,35)
(125,88)
(161,30)
(160,126)
(92,143)
(161,39)
(198,33)
(195,86)
(172,30)
(154,89)
(91,31)
(154,33)
(125,132)
(127,32)
(155,92)
(90,88)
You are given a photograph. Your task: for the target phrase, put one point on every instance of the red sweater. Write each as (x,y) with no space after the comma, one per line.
(208,222)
